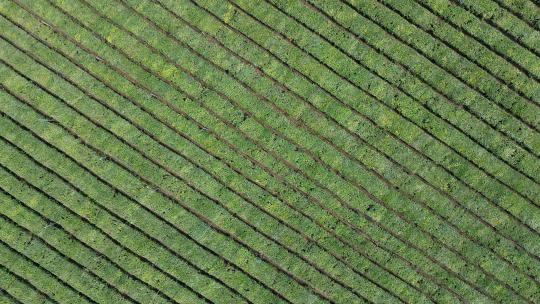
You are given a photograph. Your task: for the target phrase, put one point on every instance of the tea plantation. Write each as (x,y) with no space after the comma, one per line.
(269,151)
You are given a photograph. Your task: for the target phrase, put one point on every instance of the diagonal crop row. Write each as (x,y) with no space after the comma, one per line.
(176,205)
(242,215)
(156,225)
(107,251)
(38,276)
(7,298)
(495,65)
(432,108)
(510,26)
(465,122)
(27,256)
(191,175)
(426,181)
(36,248)
(66,243)
(484,70)
(87,282)
(526,10)
(141,146)
(359,138)
(486,31)
(151,135)
(19,289)
(401,126)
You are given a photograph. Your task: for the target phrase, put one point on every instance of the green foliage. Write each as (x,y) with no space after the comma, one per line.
(269,151)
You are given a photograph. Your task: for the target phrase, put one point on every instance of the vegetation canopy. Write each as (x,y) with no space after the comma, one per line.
(269,151)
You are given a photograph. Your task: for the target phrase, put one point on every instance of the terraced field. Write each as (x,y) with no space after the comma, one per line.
(269,151)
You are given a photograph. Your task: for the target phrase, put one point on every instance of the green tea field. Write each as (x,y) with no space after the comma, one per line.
(269,151)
